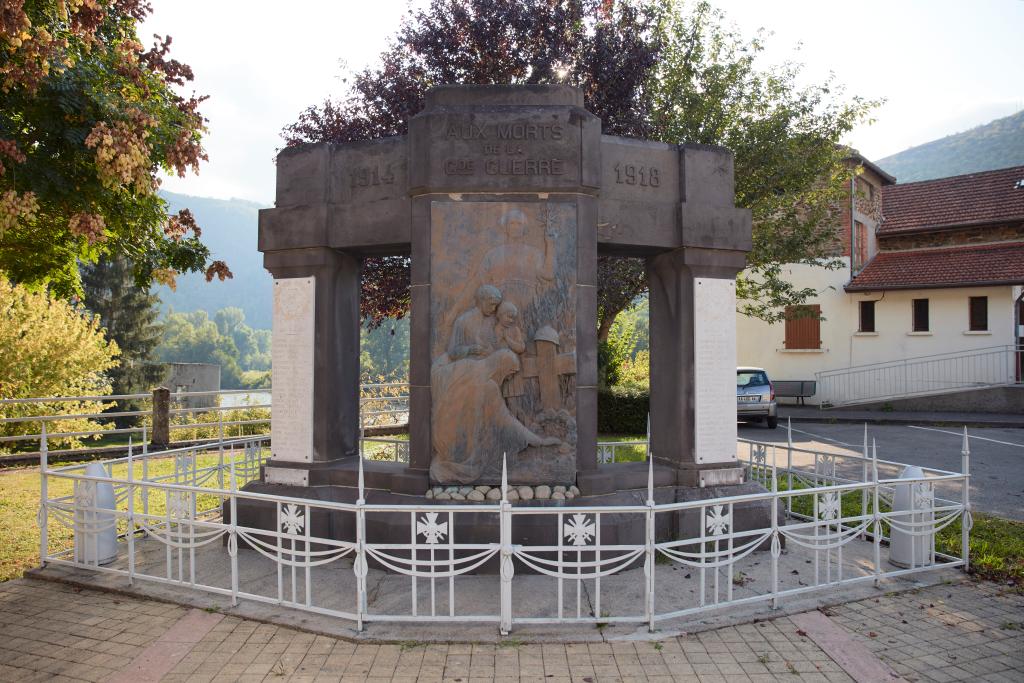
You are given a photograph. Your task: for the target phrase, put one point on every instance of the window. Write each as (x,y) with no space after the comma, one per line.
(867,316)
(920,315)
(978,313)
(803,327)
(751,378)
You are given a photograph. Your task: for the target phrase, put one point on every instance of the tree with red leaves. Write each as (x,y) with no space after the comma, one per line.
(648,69)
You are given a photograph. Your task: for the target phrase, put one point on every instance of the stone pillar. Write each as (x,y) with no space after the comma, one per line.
(692,300)
(419,338)
(692,327)
(335,358)
(586,336)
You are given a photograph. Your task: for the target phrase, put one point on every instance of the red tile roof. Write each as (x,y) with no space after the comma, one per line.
(961,266)
(972,199)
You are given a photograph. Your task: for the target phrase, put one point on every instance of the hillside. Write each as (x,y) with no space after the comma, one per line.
(229,229)
(998,144)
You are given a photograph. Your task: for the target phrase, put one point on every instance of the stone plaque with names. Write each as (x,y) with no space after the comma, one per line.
(714,351)
(292,339)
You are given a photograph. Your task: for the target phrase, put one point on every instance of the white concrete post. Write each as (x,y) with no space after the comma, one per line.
(507,568)
(967,520)
(44,541)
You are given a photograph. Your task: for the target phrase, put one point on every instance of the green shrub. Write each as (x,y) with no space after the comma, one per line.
(622,410)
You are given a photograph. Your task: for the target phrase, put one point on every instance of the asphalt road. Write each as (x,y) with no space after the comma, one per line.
(997,455)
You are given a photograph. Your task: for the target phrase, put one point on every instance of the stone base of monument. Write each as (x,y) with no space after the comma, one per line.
(480,527)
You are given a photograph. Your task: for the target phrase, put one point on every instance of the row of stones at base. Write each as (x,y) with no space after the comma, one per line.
(482,493)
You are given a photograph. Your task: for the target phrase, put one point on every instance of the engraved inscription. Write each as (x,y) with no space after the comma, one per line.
(372,176)
(632,174)
(292,369)
(507,149)
(714,348)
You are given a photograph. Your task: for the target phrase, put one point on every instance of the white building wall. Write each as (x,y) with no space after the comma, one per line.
(762,345)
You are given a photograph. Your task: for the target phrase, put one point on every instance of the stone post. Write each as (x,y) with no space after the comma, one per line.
(335,358)
(692,324)
(161,432)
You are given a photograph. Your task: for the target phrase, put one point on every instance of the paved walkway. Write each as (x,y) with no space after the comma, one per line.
(963,631)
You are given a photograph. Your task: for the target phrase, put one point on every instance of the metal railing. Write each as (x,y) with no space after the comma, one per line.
(921,376)
(176,525)
(191,417)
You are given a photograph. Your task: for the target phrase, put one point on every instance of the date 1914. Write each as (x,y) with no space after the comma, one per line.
(368,177)
(631,174)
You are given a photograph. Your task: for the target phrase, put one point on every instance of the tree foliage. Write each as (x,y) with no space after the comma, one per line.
(90,118)
(49,347)
(655,69)
(602,47)
(129,317)
(242,352)
(709,88)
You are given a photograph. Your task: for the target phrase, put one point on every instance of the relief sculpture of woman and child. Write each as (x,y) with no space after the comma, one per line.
(472,424)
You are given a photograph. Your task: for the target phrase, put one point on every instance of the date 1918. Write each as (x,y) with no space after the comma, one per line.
(631,174)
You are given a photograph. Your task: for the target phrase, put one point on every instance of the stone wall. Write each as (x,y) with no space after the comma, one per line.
(951,238)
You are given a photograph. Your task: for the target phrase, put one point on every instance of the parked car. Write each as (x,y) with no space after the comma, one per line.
(755,397)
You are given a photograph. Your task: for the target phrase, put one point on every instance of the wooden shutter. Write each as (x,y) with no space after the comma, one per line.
(803,327)
(862,246)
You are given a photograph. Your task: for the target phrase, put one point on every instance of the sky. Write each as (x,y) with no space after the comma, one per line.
(942,66)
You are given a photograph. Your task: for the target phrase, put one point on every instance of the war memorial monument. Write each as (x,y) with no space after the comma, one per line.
(503,513)
(503,197)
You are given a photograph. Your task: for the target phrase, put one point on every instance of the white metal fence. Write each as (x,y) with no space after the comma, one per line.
(192,416)
(831,521)
(920,376)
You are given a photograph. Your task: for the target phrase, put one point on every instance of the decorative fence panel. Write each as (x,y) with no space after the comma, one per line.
(834,520)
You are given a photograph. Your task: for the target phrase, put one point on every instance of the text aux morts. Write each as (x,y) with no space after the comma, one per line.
(506,145)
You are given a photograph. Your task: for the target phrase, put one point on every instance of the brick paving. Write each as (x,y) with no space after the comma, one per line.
(51,631)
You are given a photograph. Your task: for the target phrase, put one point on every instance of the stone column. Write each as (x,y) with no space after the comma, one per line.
(691,290)
(586,335)
(335,358)
(419,338)
(693,326)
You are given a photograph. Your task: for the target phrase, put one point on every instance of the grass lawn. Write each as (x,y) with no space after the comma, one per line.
(19,507)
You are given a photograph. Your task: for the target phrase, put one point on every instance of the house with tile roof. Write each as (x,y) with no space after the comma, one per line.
(929,298)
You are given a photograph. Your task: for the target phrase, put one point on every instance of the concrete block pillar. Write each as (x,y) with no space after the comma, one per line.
(334,421)
(161,432)
(692,300)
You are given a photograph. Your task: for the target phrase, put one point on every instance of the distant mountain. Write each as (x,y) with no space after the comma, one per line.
(999,144)
(229,229)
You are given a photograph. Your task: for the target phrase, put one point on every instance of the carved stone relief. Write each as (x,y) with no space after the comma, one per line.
(503,342)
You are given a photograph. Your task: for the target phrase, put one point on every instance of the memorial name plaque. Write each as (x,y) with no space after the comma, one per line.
(714,366)
(286,475)
(292,339)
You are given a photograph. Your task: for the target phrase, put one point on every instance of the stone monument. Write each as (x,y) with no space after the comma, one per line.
(503,197)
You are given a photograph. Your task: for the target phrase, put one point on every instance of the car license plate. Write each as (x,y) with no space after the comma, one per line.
(748,399)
